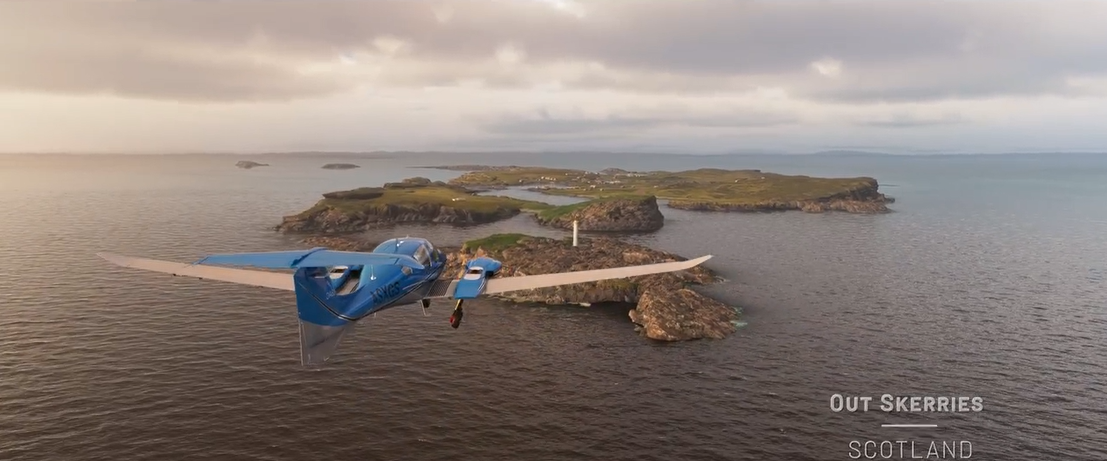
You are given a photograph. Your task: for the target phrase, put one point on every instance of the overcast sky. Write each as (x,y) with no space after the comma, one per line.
(672,76)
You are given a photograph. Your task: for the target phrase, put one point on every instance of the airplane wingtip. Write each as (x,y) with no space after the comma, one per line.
(690,263)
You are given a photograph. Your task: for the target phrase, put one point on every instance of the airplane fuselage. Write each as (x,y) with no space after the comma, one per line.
(353,292)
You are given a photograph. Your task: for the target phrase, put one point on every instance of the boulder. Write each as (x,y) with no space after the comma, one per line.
(628,214)
(680,315)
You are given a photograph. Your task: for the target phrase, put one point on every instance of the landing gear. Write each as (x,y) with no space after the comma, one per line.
(455,318)
(426,304)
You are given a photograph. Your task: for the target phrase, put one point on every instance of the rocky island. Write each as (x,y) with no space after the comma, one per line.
(247,164)
(665,305)
(610,214)
(415,200)
(340,166)
(705,189)
(666,308)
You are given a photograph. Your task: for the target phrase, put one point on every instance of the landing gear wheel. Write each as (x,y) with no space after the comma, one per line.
(455,318)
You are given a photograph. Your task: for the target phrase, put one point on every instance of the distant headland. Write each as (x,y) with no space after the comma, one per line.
(340,166)
(247,164)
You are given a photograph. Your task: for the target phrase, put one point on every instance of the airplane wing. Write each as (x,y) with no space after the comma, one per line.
(276,280)
(528,282)
(315,257)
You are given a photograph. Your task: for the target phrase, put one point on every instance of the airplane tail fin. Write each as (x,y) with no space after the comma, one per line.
(322,326)
(319,342)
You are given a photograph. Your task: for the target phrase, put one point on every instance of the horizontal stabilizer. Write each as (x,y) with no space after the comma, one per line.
(315,257)
(276,280)
(529,282)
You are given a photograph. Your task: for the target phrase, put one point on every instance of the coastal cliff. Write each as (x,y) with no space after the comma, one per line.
(619,214)
(666,309)
(415,200)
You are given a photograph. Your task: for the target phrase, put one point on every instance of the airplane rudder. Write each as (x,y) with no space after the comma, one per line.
(312,294)
(321,328)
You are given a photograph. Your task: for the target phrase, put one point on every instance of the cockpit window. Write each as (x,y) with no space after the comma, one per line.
(421,255)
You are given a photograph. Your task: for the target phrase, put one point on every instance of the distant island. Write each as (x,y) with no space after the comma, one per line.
(247,164)
(711,190)
(415,200)
(340,166)
(666,308)
(419,200)
(618,200)
(705,189)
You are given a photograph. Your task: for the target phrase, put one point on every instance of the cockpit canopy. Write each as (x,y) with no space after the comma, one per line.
(419,249)
(422,255)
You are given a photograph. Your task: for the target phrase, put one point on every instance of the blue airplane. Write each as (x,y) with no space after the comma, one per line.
(336,289)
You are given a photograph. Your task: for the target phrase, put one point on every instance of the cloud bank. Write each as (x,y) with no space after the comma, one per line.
(705,75)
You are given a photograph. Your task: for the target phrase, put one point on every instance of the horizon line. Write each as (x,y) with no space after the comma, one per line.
(827,152)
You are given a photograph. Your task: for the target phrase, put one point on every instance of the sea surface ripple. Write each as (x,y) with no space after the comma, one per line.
(986,281)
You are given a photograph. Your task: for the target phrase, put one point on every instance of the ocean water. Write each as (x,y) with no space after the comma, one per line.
(988,281)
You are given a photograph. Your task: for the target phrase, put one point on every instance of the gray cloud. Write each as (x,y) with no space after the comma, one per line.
(210,50)
(526,127)
(911,121)
(543,124)
(144,73)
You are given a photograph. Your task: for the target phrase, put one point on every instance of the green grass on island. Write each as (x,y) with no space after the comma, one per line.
(495,243)
(710,185)
(554,212)
(369,199)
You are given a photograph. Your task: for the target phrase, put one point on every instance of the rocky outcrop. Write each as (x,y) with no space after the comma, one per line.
(529,255)
(633,214)
(328,219)
(340,166)
(418,181)
(415,200)
(666,309)
(863,200)
(247,164)
(666,315)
